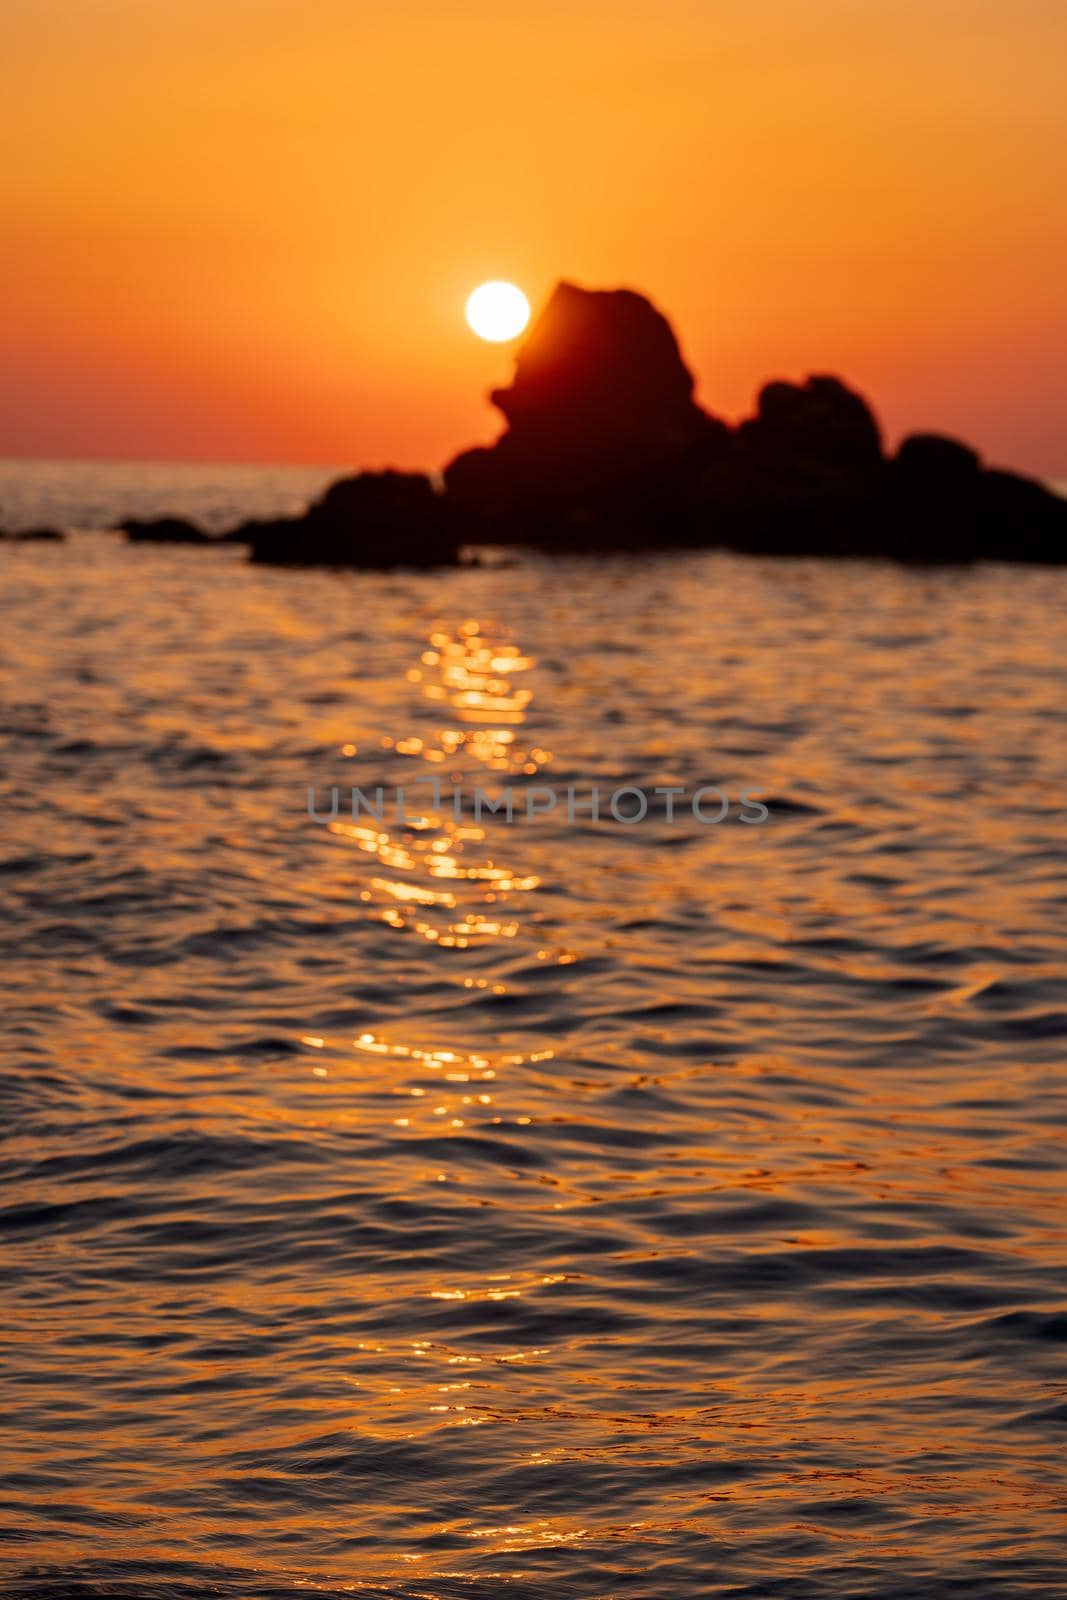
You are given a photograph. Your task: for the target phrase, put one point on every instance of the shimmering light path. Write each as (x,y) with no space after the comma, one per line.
(450,1210)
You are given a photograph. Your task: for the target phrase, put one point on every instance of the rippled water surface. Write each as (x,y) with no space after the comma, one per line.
(551,1209)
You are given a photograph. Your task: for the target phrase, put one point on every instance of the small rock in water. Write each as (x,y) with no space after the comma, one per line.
(164,530)
(371,520)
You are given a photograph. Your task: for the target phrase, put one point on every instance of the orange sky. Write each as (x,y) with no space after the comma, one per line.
(245,229)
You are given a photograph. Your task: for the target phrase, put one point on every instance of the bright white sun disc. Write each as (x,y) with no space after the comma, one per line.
(498,311)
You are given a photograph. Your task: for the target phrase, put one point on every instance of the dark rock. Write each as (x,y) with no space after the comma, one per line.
(930,509)
(605,445)
(34,535)
(376,519)
(601,370)
(164,530)
(802,477)
(931,463)
(942,505)
(1021,520)
(821,421)
(604,439)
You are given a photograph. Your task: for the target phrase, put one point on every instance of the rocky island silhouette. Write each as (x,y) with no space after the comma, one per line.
(606,449)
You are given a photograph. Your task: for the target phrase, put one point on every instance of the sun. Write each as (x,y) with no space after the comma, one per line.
(498,311)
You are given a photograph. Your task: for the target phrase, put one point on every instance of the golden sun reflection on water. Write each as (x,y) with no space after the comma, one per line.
(474,672)
(426,1208)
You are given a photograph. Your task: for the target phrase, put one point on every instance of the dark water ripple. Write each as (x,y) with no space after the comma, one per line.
(437,1212)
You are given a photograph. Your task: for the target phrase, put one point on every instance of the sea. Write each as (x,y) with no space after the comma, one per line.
(412,1204)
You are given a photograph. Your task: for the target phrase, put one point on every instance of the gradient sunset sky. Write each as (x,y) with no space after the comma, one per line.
(245,229)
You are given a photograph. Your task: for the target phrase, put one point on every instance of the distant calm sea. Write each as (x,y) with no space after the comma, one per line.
(97,494)
(537,1211)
